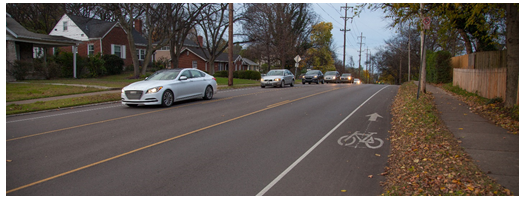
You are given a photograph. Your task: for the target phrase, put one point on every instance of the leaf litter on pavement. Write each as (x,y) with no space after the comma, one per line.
(425,158)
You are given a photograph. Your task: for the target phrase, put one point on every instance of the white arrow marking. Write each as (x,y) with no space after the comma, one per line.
(373,117)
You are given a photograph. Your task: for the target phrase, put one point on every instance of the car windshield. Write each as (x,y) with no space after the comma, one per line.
(164,75)
(331,73)
(275,72)
(312,72)
(345,75)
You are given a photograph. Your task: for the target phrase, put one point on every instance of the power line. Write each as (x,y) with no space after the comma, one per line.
(329,15)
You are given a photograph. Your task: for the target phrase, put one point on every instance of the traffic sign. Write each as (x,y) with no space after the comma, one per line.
(297,58)
(426,23)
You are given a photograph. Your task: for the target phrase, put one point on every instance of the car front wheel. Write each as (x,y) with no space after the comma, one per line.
(168,98)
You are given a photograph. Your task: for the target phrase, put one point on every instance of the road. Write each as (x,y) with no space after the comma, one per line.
(254,141)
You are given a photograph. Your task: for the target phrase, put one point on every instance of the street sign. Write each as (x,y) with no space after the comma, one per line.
(297,58)
(426,23)
(296,64)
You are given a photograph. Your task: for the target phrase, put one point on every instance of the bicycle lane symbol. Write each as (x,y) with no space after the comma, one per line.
(356,138)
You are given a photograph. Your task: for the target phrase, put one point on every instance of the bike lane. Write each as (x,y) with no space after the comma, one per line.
(339,166)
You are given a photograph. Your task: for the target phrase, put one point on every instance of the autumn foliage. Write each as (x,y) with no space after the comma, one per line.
(425,157)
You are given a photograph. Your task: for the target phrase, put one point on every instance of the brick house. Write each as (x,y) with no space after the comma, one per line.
(99,36)
(195,57)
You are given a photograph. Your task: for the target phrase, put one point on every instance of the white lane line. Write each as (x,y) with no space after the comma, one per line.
(279,177)
(54,115)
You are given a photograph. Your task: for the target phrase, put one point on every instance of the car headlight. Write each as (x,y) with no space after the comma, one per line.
(277,79)
(154,90)
(334,77)
(315,76)
(262,79)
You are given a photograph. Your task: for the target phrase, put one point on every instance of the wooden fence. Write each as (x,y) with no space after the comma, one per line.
(484,73)
(488,83)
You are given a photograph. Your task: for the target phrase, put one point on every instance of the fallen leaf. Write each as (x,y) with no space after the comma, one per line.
(378,155)
(343,191)
(9,160)
(460,128)
(370,176)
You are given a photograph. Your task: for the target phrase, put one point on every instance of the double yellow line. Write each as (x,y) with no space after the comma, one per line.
(154,144)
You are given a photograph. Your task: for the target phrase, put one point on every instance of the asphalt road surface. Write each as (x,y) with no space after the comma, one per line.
(314,140)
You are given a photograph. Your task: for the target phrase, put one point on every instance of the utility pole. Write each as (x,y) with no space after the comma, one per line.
(345,19)
(231,64)
(367,65)
(360,52)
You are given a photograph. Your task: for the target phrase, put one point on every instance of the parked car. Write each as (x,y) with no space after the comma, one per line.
(346,77)
(165,87)
(315,76)
(332,76)
(278,78)
(357,81)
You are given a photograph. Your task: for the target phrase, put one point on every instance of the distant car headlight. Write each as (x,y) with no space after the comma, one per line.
(315,76)
(154,90)
(262,79)
(334,77)
(277,79)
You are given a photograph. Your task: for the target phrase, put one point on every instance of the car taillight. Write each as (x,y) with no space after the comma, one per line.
(214,78)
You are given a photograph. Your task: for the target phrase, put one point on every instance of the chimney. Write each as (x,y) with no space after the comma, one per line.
(200,41)
(139,26)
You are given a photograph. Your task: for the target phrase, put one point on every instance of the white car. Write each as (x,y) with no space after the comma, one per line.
(357,81)
(168,86)
(279,78)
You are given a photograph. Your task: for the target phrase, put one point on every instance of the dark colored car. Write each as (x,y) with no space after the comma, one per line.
(314,76)
(346,77)
(332,76)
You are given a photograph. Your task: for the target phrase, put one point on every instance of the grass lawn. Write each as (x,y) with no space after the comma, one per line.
(22,91)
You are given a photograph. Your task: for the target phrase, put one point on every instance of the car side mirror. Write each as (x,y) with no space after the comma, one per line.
(183,78)
(146,78)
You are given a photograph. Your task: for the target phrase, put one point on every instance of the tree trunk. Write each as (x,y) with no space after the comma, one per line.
(468,44)
(513,53)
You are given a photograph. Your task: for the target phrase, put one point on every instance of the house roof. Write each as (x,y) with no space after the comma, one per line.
(223,57)
(95,28)
(19,33)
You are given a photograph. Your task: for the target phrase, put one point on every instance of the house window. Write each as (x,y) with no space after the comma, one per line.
(194,64)
(165,48)
(91,49)
(65,25)
(119,50)
(141,54)
(38,52)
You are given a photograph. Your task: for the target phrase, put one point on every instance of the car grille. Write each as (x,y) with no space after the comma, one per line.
(133,94)
(268,80)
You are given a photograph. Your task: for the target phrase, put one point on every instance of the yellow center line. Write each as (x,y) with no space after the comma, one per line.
(130,116)
(158,143)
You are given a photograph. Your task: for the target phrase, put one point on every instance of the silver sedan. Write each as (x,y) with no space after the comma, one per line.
(168,86)
(278,78)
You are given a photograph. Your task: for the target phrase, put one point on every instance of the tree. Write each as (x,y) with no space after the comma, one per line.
(320,55)
(513,53)
(127,13)
(282,28)
(182,21)
(214,24)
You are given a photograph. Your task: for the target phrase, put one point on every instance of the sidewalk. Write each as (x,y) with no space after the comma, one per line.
(495,151)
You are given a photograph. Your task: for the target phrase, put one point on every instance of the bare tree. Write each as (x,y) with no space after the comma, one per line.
(182,20)
(127,13)
(283,28)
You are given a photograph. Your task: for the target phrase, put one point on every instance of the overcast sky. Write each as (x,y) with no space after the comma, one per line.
(372,25)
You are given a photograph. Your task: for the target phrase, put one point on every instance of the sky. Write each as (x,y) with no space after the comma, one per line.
(372,25)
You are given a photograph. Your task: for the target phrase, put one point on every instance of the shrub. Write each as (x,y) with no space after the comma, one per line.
(21,69)
(222,73)
(113,64)
(47,70)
